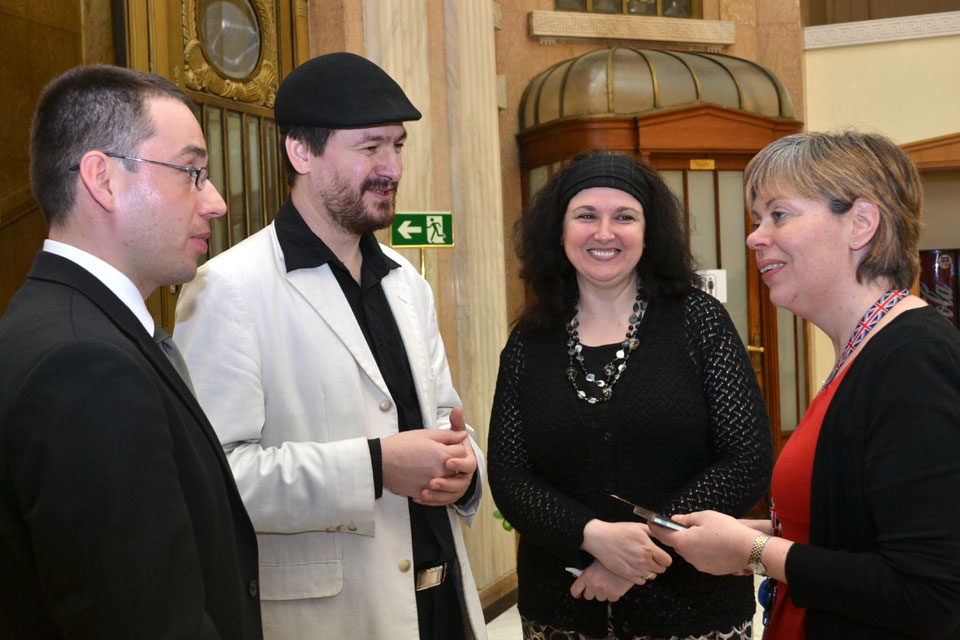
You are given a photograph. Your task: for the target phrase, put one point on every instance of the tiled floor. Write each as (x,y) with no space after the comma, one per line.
(506,626)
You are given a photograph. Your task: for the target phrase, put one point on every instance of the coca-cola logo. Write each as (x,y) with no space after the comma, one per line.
(940,298)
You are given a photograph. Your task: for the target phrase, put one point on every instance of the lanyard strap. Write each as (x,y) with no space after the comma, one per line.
(869,320)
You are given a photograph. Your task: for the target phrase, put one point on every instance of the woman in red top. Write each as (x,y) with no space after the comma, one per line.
(864,541)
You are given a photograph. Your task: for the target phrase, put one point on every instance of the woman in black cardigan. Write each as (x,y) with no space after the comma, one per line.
(865,540)
(621,378)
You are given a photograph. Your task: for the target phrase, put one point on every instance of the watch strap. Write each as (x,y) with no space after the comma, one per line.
(756,551)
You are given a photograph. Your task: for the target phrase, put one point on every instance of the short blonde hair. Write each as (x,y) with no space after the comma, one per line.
(839,168)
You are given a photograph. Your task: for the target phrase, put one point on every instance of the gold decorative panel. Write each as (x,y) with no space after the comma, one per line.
(260,87)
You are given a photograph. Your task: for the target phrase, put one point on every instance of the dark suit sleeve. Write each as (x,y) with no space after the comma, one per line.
(92,464)
(910,582)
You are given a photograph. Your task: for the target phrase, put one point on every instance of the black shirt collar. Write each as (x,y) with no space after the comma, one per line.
(303,249)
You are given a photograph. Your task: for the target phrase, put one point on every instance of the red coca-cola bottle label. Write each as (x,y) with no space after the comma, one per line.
(938,281)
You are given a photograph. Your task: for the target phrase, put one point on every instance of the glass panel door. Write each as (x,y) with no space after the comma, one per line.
(229,65)
(791,350)
(234,195)
(702,218)
(213,131)
(718,227)
(255,220)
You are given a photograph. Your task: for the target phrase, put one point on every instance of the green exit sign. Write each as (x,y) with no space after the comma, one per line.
(422,229)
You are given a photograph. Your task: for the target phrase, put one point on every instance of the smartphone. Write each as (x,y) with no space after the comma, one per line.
(652,516)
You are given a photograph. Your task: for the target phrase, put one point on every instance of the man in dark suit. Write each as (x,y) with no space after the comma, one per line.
(119,516)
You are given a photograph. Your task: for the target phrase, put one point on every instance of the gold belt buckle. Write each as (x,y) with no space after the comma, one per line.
(432,577)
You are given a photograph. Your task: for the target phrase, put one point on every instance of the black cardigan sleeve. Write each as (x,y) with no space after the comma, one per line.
(885,505)
(739,433)
(544,515)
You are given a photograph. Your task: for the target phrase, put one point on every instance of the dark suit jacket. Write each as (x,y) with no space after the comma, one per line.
(119,516)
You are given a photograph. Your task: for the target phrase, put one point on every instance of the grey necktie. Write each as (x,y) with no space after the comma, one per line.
(169,348)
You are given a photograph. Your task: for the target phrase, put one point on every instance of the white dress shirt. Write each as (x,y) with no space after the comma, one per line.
(110,276)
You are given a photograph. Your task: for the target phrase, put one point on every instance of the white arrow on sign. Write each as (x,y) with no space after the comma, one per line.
(406,230)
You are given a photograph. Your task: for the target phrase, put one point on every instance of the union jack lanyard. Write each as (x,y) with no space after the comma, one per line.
(869,320)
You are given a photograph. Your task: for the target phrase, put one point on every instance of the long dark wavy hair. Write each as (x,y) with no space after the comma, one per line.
(665,268)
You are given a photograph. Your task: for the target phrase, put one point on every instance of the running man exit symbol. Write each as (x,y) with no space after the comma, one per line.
(435,230)
(422,229)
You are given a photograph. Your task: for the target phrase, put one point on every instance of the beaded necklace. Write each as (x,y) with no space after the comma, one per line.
(613,369)
(869,320)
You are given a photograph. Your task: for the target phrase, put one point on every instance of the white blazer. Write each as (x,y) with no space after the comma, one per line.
(284,373)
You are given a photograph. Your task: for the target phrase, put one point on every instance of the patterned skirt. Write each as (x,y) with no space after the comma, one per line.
(536,631)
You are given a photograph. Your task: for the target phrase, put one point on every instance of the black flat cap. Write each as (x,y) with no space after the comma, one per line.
(340,91)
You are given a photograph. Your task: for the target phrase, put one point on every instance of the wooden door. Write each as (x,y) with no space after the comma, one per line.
(711,190)
(38,42)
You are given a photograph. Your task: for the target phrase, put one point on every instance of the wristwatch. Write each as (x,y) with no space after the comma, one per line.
(755,552)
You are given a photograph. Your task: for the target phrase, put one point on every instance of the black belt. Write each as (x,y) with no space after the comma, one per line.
(432,577)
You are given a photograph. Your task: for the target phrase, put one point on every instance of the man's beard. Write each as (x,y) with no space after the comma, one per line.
(347,209)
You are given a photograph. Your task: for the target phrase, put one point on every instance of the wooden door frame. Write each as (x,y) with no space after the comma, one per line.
(935,154)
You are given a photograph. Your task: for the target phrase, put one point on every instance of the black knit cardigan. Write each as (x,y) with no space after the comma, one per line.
(686,430)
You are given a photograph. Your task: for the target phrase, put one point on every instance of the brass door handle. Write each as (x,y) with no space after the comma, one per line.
(756,359)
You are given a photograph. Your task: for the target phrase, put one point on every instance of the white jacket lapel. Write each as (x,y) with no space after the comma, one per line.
(319,287)
(410,325)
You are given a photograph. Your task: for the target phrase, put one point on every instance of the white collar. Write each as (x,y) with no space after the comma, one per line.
(110,276)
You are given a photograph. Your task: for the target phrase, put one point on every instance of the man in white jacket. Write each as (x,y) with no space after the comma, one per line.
(316,353)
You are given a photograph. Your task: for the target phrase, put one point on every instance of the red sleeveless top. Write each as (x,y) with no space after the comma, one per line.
(790,491)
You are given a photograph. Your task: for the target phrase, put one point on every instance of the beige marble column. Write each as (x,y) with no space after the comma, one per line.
(452,162)
(395,33)
(768,33)
(335,25)
(397,37)
(476,194)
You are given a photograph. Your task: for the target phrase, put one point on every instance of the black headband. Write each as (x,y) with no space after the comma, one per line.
(605,170)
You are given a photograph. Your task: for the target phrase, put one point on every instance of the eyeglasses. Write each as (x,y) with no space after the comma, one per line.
(199,175)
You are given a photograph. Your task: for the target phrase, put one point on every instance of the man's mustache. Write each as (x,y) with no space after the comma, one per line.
(379,184)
